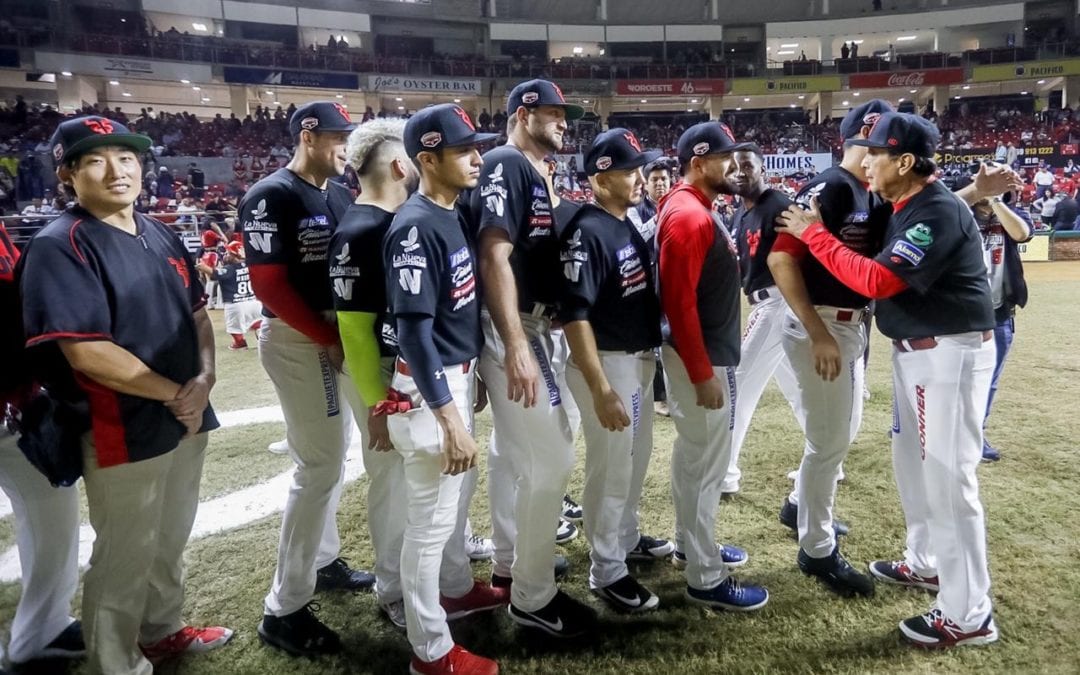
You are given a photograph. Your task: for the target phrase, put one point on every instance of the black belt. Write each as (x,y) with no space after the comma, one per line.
(754,297)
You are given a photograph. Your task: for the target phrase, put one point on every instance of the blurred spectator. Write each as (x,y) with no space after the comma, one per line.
(1071,169)
(29,181)
(1046,204)
(1044,181)
(1065,213)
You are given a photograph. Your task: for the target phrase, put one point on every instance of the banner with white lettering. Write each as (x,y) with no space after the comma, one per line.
(145,69)
(426,85)
(797,165)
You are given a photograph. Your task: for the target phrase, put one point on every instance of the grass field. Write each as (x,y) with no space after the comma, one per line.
(1031,497)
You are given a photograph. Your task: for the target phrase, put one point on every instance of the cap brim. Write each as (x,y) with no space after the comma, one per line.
(573,112)
(866,143)
(343,127)
(136,142)
(474,139)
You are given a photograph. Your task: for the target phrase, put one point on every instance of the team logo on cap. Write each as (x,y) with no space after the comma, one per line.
(99,125)
(343,112)
(727,132)
(464,117)
(559,92)
(603,163)
(309,123)
(871,118)
(632,140)
(431,139)
(58,151)
(893,142)
(530,97)
(701,148)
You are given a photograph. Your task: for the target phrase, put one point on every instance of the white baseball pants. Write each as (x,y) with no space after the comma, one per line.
(47,535)
(829,410)
(133,591)
(433,549)
(940,397)
(241,316)
(318,426)
(615,462)
(762,358)
(698,464)
(538,443)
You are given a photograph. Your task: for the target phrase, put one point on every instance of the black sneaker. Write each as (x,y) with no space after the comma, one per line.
(789,517)
(650,548)
(337,576)
(562,568)
(837,574)
(299,633)
(563,617)
(627,595)
(67,645)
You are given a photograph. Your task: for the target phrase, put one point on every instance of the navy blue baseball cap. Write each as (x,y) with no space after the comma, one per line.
(320,116)
(441,126)
(75,136)
(617,150)
(863,116)
(708,138)
(535,93)
(902,133)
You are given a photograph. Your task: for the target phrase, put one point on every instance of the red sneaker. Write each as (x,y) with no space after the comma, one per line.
(482,598)
(187,639)
(456,662)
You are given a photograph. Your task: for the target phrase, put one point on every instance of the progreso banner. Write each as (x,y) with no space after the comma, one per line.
(668,87)
(791,165)
(291,78)
(1025,70)
(1032,155)
(785,85)
(906,78)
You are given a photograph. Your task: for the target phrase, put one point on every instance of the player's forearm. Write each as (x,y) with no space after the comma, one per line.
(362,356)
(500,291)
(789,279)
(863,275)
(585,356)
(271,286)
(115,368)
(207,357)
(1015,226)
(969,194)
(417,345)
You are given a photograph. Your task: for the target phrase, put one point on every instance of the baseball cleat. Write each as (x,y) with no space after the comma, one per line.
(837,574)
(69,644)
(990,453)
(730,594)
(394,612)
(482,597)
(279,447)
(563,617)
(661,408)
(299,633)
(650,548)
(789,517)
(479,548)
(457,660)
(733,556)
(565,532)
(187,639)
(338,576)
(627,595)
(898,572)
(933,631)
(571,510)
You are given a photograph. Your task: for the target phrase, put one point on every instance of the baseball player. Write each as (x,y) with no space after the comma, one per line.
(934,302)
(288,219)
(46,518)
(699,294)
(518,259)
(824,339)
(242,311)
(146,383)
(209,257)
(431,288)
(611,317)
(761,356)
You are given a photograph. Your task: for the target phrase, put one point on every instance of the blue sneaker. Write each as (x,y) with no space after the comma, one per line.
(733,557)
(990,453)
(730,594)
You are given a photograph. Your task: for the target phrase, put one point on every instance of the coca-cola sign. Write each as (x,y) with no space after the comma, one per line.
(906,78)
(669,87)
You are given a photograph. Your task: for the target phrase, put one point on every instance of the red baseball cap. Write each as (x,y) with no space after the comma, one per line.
(235,248)
(210,238)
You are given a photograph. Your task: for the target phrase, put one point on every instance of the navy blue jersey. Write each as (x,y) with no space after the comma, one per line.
(431,272)
(564,213)
(755,232)
(934,245)
(235,282)
(357,274)
(85,280)
(855,216)
(513,197)
(608,281)
(288,221)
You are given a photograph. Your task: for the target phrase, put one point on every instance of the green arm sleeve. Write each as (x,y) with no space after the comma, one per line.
(362,354)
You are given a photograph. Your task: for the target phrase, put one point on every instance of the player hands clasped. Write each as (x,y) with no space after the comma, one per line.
(611,316)
(433,298)
(699,294)
(935,304)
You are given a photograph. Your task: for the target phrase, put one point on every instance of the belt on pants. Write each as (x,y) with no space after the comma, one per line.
(403,368)
(922,344)
(841,314)
(761,294)
(541,310)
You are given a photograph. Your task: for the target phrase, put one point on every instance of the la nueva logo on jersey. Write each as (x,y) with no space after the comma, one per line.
(343,258)
(409,242)
(260,210)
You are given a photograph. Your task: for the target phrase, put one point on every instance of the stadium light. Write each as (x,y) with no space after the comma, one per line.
(579,50)
(67,73)
(746,100)
(856,94)
(126,94)
(339,96)
(693,100)
(457,100)
(956,98)
(846,103)
(900,100)
(397,98)
(785,53)
(196,88)
(738,109)
(185,81)
(644,100)
(913,91)
(1023,93)
(793,106)
(401,107)
(206,99)
(269,93)
(113,82)
(201,27)
(602,52)
(1039,82)
(966,87)
(856,42)
(802,96)
(790,45)
(584,100)
(907,38)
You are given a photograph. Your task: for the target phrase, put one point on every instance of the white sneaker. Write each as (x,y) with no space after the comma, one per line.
(566,532)
(395,612)
(280,447)
(866,393)
(479,548)
(792,475)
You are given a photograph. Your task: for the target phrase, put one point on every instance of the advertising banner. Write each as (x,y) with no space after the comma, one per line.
(427,85)
(108,66)
(291,78)
(792,165)
(906,78)
(669,87)
(1025,70)
(787,85)
(1036,250)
